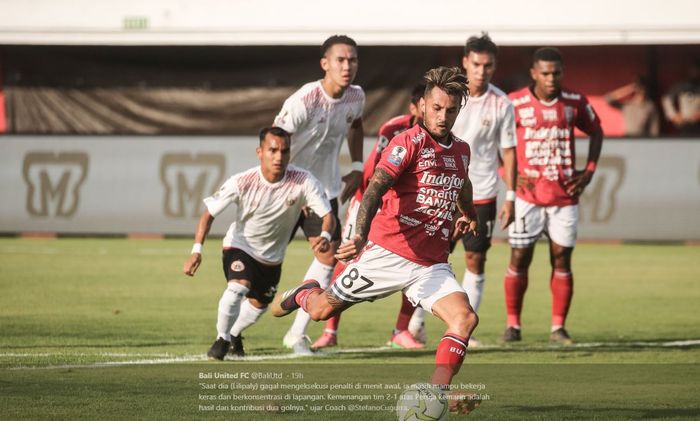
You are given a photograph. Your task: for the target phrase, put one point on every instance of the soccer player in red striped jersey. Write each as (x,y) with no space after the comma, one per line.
(387,132)
(422,185)
(549,186)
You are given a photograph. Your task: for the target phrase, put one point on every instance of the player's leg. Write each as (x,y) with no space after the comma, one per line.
(263,287)
(374,274)
(523,233)
(320,270)
(329,337)
(402,337)
(238,285)
(475,249)
(562,224)
(438,291)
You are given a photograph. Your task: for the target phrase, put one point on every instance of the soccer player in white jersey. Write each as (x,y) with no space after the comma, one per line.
(269,198)
(320,115)
(422,185)
(487,123)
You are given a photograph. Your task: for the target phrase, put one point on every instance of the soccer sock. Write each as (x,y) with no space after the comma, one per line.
(417,320)
(448,358)
(515,285)
(405,314)
(249,314)
(333,323)
(562,286)
(322,274)
(229,307)
(303,297)
(474,285)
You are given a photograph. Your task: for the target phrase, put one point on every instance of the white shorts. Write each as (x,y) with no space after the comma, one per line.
(559,223)
(378,273)
(350,218)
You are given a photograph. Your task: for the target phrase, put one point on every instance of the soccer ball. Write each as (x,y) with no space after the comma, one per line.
(422,402)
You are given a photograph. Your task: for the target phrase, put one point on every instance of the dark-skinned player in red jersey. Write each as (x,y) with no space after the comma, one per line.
(549,186)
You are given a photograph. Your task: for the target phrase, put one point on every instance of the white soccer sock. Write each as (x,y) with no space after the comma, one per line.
(474,285)
(229,307)
(417,320)
(322,274)
(249,315)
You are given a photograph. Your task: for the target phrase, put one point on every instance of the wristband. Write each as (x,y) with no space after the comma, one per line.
(591,166)
(326,235)
(358,166)
(197,248)
(510,195)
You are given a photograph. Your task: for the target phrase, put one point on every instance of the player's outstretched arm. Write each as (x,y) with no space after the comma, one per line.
(195,259)
(353,179)
(379,184)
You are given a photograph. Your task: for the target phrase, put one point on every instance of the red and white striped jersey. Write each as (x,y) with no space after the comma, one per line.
(266,213)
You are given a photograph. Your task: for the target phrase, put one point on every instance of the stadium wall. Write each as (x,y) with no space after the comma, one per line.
(646,190)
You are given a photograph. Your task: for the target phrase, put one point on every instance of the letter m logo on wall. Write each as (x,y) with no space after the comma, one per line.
(187,180)
(53,182)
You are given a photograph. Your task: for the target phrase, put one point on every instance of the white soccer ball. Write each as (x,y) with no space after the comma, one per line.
(422,402)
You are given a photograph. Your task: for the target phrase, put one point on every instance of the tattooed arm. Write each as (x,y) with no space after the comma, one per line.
(379,184)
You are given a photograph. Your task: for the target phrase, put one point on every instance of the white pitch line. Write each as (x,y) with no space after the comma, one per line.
(170,359)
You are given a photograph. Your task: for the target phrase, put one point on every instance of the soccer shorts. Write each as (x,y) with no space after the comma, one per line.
(559,223)
(311,224)
(378,273)
(263,278)
(350,218)
(487,217)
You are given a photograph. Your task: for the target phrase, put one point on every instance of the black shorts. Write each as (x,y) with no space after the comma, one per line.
(263,279)
(487,218)
(311,225)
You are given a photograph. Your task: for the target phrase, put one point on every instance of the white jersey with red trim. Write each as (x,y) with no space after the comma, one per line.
(267,212)
(546,147)
(418,212)
(319,125)
(487,123)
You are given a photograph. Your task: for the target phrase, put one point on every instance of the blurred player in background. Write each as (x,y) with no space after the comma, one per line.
(269,199)
(549,186)
(387,132)
(422,180)
(487,123)
(320,115)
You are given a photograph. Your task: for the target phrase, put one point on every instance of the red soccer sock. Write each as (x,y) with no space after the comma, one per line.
(448,358)
(303,296)
(333,323)
(562,286)
(515,285)
(405,314)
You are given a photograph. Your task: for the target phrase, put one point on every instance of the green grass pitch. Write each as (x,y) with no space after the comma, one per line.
(111,329)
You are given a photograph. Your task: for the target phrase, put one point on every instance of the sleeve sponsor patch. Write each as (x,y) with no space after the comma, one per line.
(397,155)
